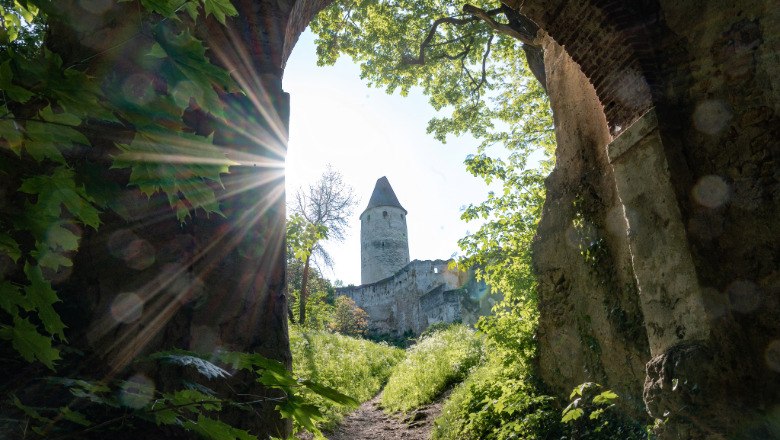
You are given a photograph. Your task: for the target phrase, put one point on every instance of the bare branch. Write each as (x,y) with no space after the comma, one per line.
(420,60)
(487,17)
(483,80)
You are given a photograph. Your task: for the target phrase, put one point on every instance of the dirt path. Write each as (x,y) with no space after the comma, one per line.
(369,422)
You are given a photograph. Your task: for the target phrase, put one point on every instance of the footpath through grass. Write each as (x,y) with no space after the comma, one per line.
(437,361)
(353,366)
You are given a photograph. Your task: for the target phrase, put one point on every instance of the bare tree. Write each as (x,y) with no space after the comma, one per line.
(327,205)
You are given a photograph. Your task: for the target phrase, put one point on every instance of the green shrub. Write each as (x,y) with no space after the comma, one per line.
(435,362)
(355,367)
(497,401)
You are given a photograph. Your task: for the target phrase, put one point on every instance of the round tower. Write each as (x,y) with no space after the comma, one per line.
(384,245)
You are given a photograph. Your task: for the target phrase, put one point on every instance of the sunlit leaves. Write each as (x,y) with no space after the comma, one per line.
(169,8)
(302,236)
(180,165)
(220,8)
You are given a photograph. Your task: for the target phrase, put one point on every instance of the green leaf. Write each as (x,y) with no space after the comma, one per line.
(166,8)
(157,51)
(216,429)
(29,343)
(188,61)
(28,12)
(220,9)
(178,165)
(331,394)
(41,298)
(304,414)
(605,398)
(571,415)
(166,417)
(11,298)
(596,414)
(11,132)
(59,189)
(185,358)
(74,416)
(47,141)
(30,411)
(13,91)
(63,118)
(186,399)
(9,247)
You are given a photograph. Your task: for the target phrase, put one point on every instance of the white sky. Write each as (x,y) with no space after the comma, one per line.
(366,134)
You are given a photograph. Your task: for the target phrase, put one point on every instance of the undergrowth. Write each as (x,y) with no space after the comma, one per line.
(435,362)
(353,366)
(497,401)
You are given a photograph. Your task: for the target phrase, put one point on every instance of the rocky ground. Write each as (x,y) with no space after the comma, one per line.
(370,422)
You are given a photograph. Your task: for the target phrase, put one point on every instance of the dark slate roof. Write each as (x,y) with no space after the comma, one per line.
(383,195)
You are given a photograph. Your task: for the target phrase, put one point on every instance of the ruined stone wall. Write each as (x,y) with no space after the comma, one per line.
(420,294)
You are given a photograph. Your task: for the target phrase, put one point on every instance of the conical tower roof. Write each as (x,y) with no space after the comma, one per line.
(383,195)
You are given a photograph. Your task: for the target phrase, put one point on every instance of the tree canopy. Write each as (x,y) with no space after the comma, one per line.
(468,58)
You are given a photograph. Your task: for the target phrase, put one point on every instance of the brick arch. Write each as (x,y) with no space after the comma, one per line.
(589,30)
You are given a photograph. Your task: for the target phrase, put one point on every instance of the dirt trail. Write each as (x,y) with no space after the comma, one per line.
(369,422)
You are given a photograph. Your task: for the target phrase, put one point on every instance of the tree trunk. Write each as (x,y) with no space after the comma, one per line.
(304,291)
(213,283)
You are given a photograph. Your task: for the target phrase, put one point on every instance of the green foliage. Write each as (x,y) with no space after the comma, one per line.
(49,113)
(434,363)
(355,367)
(302,236)
(348,318)
(498,401)
(193,407)
(478,78)
(591,414)
(319,305)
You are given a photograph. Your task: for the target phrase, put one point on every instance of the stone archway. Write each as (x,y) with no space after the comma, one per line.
(665,119)
(711,195)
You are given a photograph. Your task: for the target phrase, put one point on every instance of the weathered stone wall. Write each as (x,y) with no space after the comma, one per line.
(591,327)
(697,183)
(420,294)
(384,243)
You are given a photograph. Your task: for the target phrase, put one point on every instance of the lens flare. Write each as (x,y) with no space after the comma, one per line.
(711,192)
(137,391)
(127,308)
(772,355)
(711,116)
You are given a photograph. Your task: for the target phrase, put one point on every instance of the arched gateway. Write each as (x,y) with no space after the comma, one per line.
(666,121)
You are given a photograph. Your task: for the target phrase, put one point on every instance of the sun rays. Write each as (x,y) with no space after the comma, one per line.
(251,142)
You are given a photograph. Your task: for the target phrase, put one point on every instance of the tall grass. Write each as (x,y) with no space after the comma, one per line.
(498,401)
(355,367)
(435,362)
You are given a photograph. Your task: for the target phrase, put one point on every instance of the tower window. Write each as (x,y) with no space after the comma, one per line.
(368,218)
(384,213)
